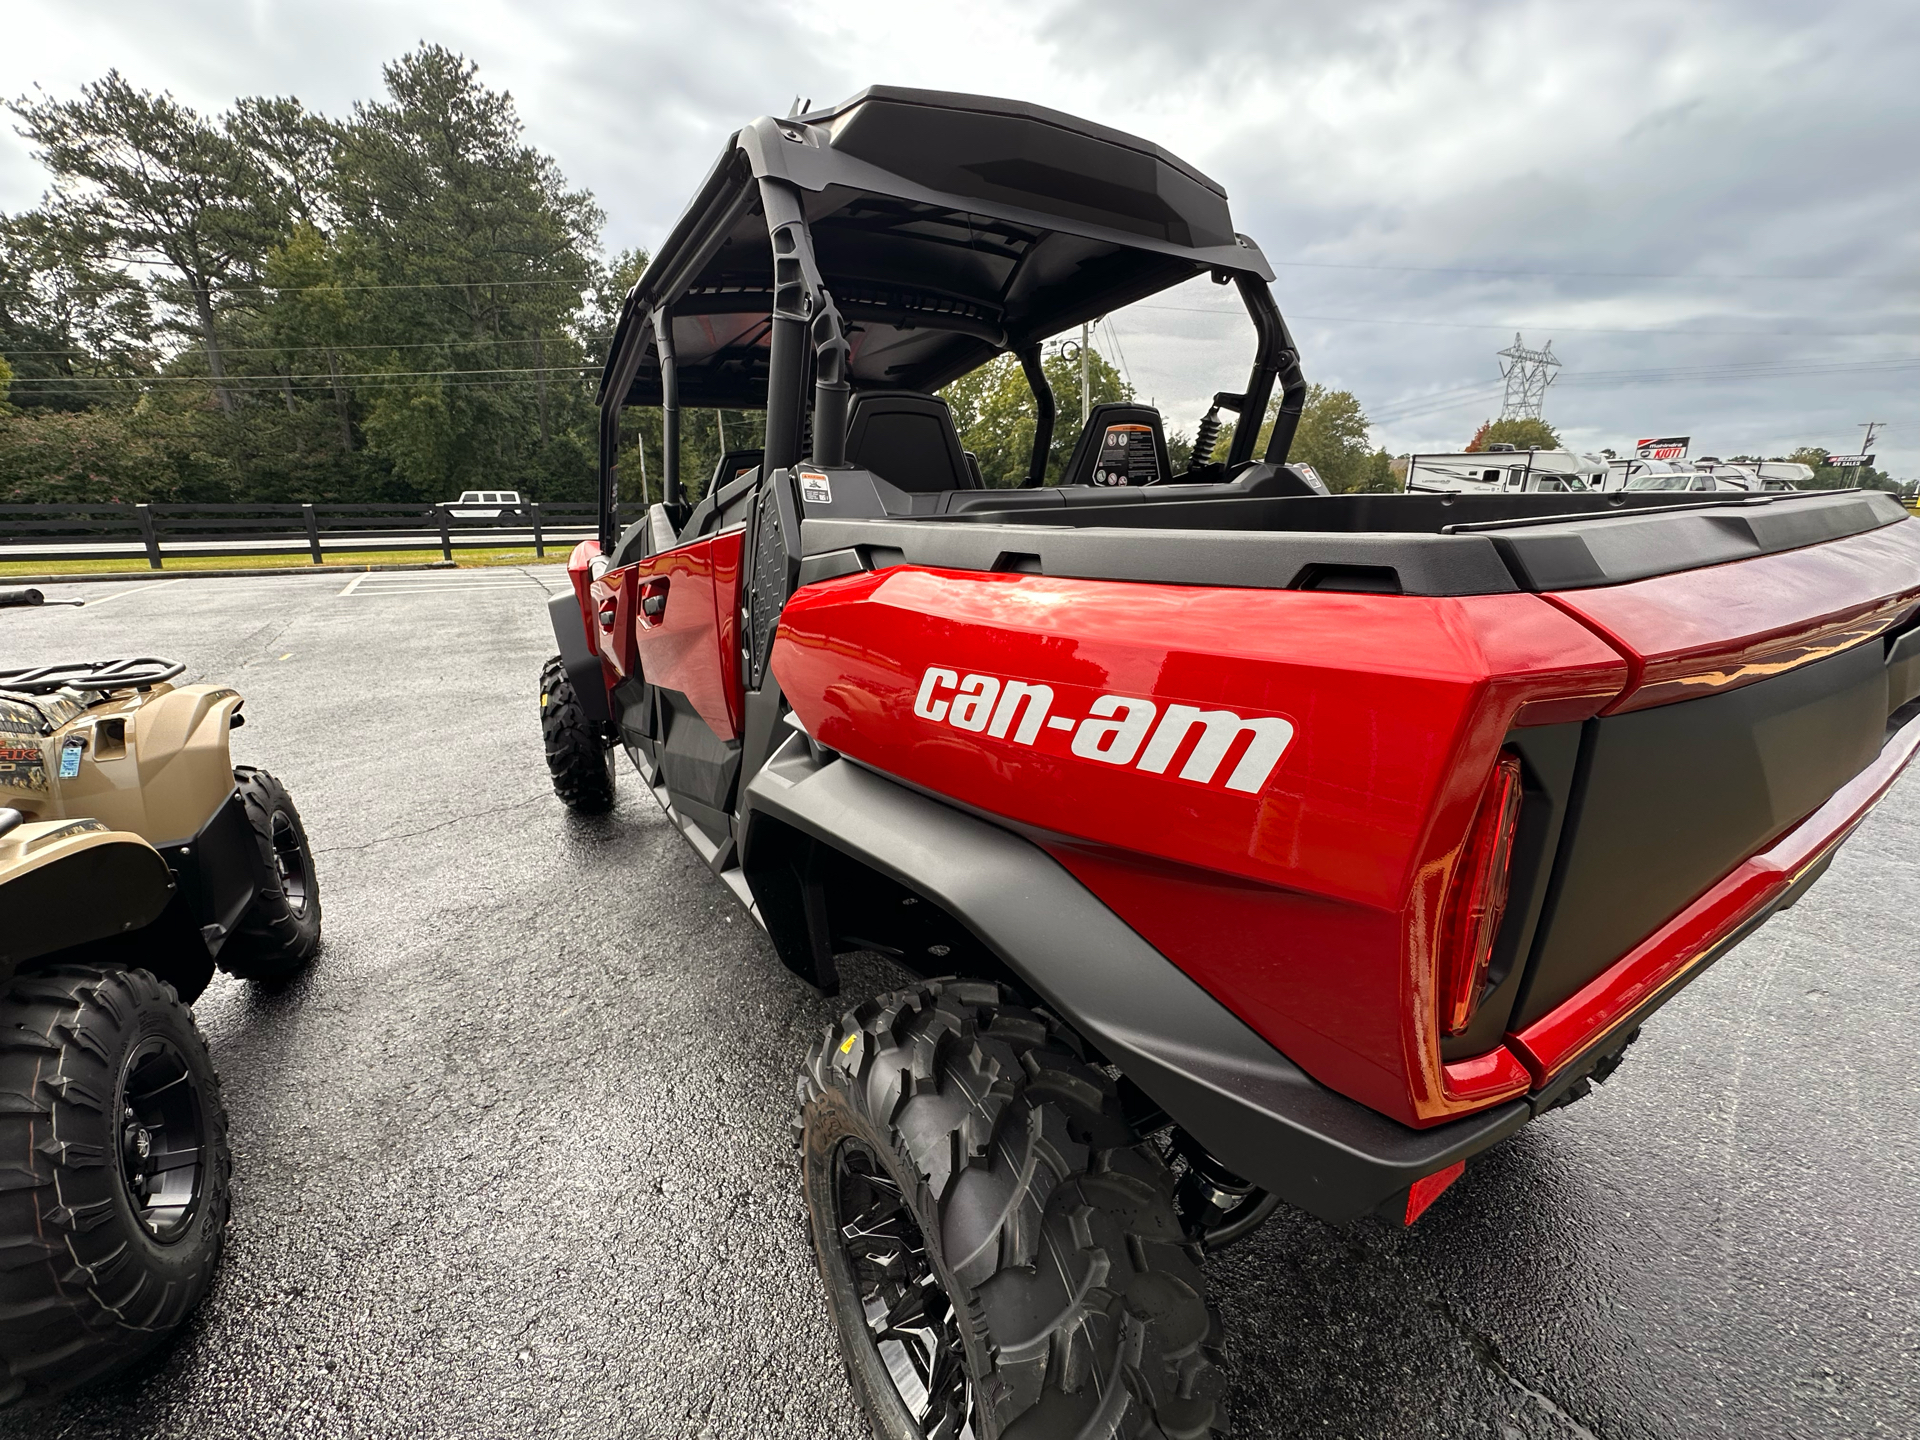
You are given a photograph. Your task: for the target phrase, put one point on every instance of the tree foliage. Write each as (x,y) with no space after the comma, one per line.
(994,411)
(274,304)
(1841,477)
(1527,434)
(1332,437)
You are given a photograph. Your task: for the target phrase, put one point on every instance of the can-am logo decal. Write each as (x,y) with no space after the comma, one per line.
(1118,730)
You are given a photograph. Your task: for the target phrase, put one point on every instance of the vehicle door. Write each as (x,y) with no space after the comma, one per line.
(681,610)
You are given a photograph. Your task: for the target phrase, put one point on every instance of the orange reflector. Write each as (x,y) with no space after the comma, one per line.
(1478,898)
(1429,1188)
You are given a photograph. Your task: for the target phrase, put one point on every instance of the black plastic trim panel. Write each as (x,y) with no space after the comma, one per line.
(1670,799)
(1903,669)
(1423,564)
(1245,1101)
(1576,554)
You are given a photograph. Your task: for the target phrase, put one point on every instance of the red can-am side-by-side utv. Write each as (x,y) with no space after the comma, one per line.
(1271,846)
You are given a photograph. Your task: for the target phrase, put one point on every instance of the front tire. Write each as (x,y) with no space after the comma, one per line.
(280,931)
(113,1174)
(580,761)
(999,1249)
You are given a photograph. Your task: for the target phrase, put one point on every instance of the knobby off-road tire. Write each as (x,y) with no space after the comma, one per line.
(991,1232)
(581,762)
(279,933)
(107,1240)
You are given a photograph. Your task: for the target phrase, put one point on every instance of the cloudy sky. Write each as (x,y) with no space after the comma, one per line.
(1710,209)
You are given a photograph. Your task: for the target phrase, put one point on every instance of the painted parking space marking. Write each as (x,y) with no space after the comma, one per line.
(144,588)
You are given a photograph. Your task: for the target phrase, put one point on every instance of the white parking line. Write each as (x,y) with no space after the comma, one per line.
(356,582)
(372,590)
(136,589)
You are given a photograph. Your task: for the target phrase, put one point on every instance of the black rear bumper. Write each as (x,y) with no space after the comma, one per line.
(1245,1101)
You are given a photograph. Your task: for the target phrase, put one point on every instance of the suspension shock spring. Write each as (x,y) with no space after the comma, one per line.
(1205,435)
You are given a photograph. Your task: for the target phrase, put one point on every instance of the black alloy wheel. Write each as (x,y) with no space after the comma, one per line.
(290,861)
(914,1331)
(163,1138)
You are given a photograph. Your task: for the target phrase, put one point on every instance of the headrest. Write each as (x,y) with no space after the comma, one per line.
(1121,444)
(908,440)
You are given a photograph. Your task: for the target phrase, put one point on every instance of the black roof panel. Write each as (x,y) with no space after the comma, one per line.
(947,227)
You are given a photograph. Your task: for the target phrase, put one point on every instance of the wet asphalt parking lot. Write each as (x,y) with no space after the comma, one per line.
(513,1159)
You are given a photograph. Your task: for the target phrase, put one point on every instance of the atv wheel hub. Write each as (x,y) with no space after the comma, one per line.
(909,1317)
(163,1135)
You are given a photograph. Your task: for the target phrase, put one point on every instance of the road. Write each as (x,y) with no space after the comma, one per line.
(513,1159)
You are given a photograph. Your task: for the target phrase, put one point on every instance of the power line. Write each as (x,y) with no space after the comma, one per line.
(1531,325)
(1416,406)
(371,285)
(323,379)
(1570,274)
(195,347)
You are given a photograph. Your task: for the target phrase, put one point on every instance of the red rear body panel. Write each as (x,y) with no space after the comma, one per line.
(1721,627)
(1306,903)
(1275,787)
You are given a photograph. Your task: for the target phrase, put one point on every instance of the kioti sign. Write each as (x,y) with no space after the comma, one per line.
(1669,447)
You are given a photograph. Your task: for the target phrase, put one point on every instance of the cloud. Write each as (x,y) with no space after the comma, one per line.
(1610,175)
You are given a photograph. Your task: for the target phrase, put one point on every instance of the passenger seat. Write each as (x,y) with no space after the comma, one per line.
(908,440)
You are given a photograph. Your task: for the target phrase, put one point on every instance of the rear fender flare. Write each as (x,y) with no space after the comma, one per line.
(1247,1103)
(582,663)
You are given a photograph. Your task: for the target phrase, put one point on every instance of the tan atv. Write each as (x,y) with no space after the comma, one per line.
(134,858)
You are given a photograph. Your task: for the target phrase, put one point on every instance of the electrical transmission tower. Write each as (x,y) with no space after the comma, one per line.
(1528,373)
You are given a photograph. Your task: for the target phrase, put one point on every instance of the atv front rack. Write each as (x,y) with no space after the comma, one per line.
(139,673)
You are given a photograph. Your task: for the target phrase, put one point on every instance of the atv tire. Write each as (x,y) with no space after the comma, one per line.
(105,1247)
(277,936)
(581,762)
(973,1188)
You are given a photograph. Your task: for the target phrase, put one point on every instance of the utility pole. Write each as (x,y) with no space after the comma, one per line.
(1086,401)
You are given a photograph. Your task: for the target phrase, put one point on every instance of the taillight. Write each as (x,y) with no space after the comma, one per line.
(1478,898)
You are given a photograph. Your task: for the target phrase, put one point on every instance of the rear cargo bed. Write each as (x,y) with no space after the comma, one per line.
(1401,544)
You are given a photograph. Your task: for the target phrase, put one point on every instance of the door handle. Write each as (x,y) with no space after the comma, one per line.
(653,600)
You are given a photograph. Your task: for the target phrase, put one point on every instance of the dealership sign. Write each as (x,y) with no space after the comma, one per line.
(1843,461)
(1670,447)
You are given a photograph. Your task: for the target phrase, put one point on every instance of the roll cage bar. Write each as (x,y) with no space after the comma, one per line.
(782,332)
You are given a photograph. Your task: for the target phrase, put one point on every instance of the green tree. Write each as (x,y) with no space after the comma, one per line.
(6,384)
(993,410)
(401,304)
(467,242)
(76,330)
(1527,434)
(1332,437)
(164,186)
(1841,477)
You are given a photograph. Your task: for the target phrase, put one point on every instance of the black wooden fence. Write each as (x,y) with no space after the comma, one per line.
(114,531)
